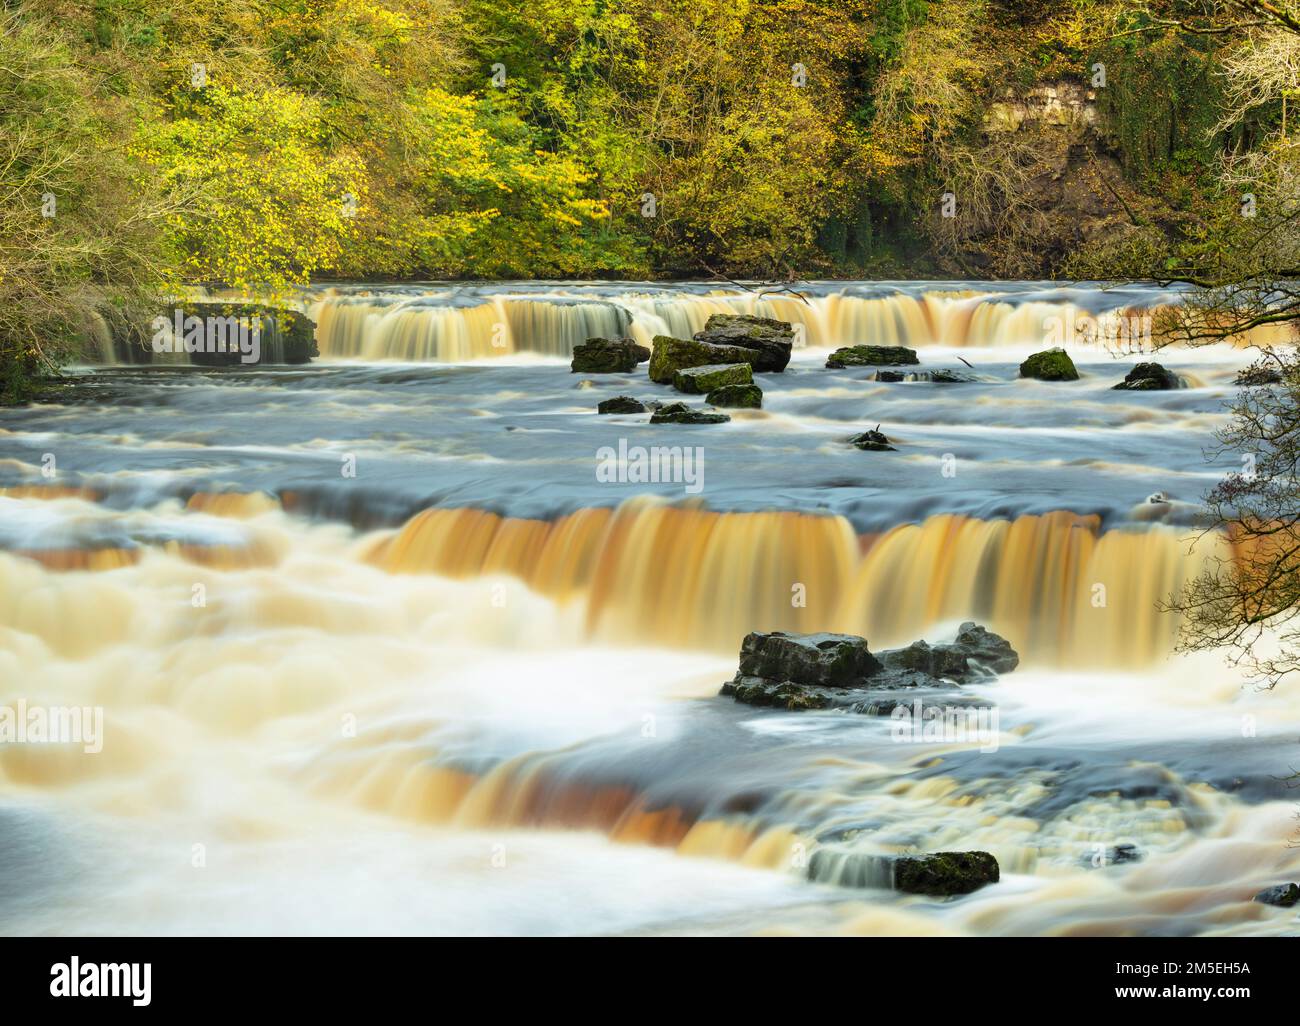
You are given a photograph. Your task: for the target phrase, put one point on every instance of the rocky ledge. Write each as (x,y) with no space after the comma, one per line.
(838,671)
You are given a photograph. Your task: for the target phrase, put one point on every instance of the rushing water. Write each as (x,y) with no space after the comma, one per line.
(377,651)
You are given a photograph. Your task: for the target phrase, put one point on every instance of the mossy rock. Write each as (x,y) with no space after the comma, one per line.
(1149,377)
(745,397)
(671,355)
(1050,365)
(712,376)
(871,356)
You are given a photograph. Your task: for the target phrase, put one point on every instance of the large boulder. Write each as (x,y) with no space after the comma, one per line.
(871,356)
(607,356)
(680,413)
(833,660)
(709,376)
(671,355)
(838,671)
(749,397)
(1149,377)
(771,340)
(1050,365)
(939,874)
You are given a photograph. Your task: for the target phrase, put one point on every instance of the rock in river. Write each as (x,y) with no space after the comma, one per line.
(680,413)
(871,356)
(1050,365)
(938,874)
(671,355)
(837,671)
(711,376)
(873,441)
(621,404)
(748,397)
(1149,377)
(770,340)
(1283,895)
(607,356)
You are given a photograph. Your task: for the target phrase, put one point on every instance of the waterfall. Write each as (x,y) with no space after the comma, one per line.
(1063,590)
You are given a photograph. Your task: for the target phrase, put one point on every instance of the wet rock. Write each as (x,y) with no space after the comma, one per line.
(939,874)
(1259,373)
(671,355)
(680,413)
(770,340)
(1050,365)
(990,652)
(834,660)
(749,397)
(607,356)
(1149,377)
(937,661)
(1283,895)
(944,873)
(711,376)
(838,671)
(944,376)
(873,441)
(871,356)
(888,375)
(621,404)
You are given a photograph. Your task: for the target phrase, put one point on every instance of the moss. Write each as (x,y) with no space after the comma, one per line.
(1050,365)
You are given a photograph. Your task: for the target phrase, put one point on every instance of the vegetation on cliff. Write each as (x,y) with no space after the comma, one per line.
(149,144)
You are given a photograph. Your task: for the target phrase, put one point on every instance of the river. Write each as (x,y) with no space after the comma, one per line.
(378,650)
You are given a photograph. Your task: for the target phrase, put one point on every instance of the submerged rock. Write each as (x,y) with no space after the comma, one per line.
(680,413)
(711,376)
(770,340)
(838,671)
(871,356)
(607,356)
(736,396)
(621,404)
(873,441)
(1050,365)
(939,874)
(944,376)
(1149,377)
(1283,895)
(671,355)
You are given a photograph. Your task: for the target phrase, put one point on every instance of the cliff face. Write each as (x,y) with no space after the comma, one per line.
(1070,192)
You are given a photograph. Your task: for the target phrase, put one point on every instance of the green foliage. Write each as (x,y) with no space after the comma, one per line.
(76,230)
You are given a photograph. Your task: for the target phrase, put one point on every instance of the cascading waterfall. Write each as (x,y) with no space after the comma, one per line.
(1068,592)
(448,324)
